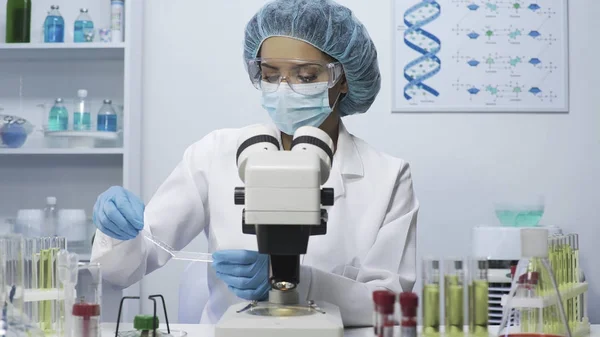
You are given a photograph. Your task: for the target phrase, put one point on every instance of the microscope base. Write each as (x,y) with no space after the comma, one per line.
(244,324)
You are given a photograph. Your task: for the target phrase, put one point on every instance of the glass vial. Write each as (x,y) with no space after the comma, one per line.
(478,297)
(409,303)
(454,281)
(54,26)
(431,297)
(383,322)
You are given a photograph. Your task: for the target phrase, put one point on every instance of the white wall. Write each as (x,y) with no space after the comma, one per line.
(195,82)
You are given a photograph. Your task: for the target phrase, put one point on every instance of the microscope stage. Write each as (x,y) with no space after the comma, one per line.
(291,321)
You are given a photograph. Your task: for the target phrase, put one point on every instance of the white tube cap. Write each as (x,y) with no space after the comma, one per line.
(51,200)
(82,93)
(534,242)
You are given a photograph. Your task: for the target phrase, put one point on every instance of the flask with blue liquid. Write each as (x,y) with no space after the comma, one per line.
(58,119)
(84,27)
(54,26)
(107,117)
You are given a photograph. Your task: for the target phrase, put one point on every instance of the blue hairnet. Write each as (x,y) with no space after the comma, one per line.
(334,30)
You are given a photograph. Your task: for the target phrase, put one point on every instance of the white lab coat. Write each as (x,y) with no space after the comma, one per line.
(371,232)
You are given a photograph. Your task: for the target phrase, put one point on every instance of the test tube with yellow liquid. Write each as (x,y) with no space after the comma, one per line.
(478,297)
(454,291)
(431,297)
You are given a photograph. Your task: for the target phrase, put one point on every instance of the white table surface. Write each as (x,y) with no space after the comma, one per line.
(205,330)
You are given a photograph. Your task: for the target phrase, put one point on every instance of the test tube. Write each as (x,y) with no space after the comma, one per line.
(409,302)
(454,278)
(431,297)
(478,297)
(383,322)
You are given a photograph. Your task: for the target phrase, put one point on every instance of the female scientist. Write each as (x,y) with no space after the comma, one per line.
(314,63)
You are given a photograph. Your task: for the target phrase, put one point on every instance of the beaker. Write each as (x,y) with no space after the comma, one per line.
(431,297)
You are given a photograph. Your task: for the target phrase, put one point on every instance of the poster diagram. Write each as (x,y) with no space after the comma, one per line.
(481,55)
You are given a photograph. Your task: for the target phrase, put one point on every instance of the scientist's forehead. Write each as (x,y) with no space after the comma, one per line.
(285,47)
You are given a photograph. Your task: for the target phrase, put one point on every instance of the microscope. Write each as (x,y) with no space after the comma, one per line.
(282,198)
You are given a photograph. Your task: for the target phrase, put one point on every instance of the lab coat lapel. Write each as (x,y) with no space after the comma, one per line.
(347,163)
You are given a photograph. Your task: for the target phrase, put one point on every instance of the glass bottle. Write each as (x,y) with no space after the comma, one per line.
(107,117)
(58,119)
(84,27)
(18,21)
(54,26)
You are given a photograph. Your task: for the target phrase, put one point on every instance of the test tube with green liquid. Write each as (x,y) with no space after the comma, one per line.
(431,297)
(478,297)
(454,282)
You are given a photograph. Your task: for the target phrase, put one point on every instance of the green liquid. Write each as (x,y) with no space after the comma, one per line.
(18,21)
(454,306)
(478,310)
(431,310)
(519,218)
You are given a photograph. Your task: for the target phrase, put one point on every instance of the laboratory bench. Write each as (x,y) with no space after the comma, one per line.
(206,330)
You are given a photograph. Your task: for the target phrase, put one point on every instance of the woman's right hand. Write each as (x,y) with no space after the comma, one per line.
(119,214)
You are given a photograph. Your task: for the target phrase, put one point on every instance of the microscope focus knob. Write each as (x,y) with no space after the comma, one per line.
(239,196)
(327,196)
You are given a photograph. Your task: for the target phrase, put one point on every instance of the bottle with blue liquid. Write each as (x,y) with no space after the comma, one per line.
(107,117)
(82,120)
(84,27)
(54,26)
(58,119)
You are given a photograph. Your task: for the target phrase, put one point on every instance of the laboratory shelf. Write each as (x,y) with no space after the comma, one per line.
(58,151)
(62,51)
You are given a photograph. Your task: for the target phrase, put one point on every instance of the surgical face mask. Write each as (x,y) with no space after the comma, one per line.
(291,110)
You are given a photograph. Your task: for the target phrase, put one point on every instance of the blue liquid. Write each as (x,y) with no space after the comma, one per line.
(82,121)
(80,28)
(58,119)
(519,218)
(107,123)
(54,29)
(13,135)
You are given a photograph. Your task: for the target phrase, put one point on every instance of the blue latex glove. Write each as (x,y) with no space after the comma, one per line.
(245,272)
(119,214)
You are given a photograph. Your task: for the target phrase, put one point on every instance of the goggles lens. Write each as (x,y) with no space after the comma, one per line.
(303,76)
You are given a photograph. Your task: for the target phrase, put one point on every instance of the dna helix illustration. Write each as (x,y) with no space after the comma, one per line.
(424,43)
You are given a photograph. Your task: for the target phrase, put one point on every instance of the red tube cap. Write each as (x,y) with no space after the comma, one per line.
(86,310)
(384,301)
(409,302)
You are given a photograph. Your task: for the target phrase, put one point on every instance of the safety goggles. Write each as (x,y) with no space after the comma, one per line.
(306,77)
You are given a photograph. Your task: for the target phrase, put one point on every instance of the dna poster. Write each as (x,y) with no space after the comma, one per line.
(480,56)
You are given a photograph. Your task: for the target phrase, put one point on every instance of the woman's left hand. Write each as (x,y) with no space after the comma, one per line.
(245,272)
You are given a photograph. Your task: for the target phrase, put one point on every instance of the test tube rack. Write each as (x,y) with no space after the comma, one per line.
(583,327)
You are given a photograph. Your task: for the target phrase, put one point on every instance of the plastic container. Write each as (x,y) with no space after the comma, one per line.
(82,118)
(50,217)
(30,222)
(72,224)
(117,22)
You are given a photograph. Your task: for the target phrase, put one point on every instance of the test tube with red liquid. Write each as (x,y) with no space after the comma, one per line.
(383,322)
(409,303)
